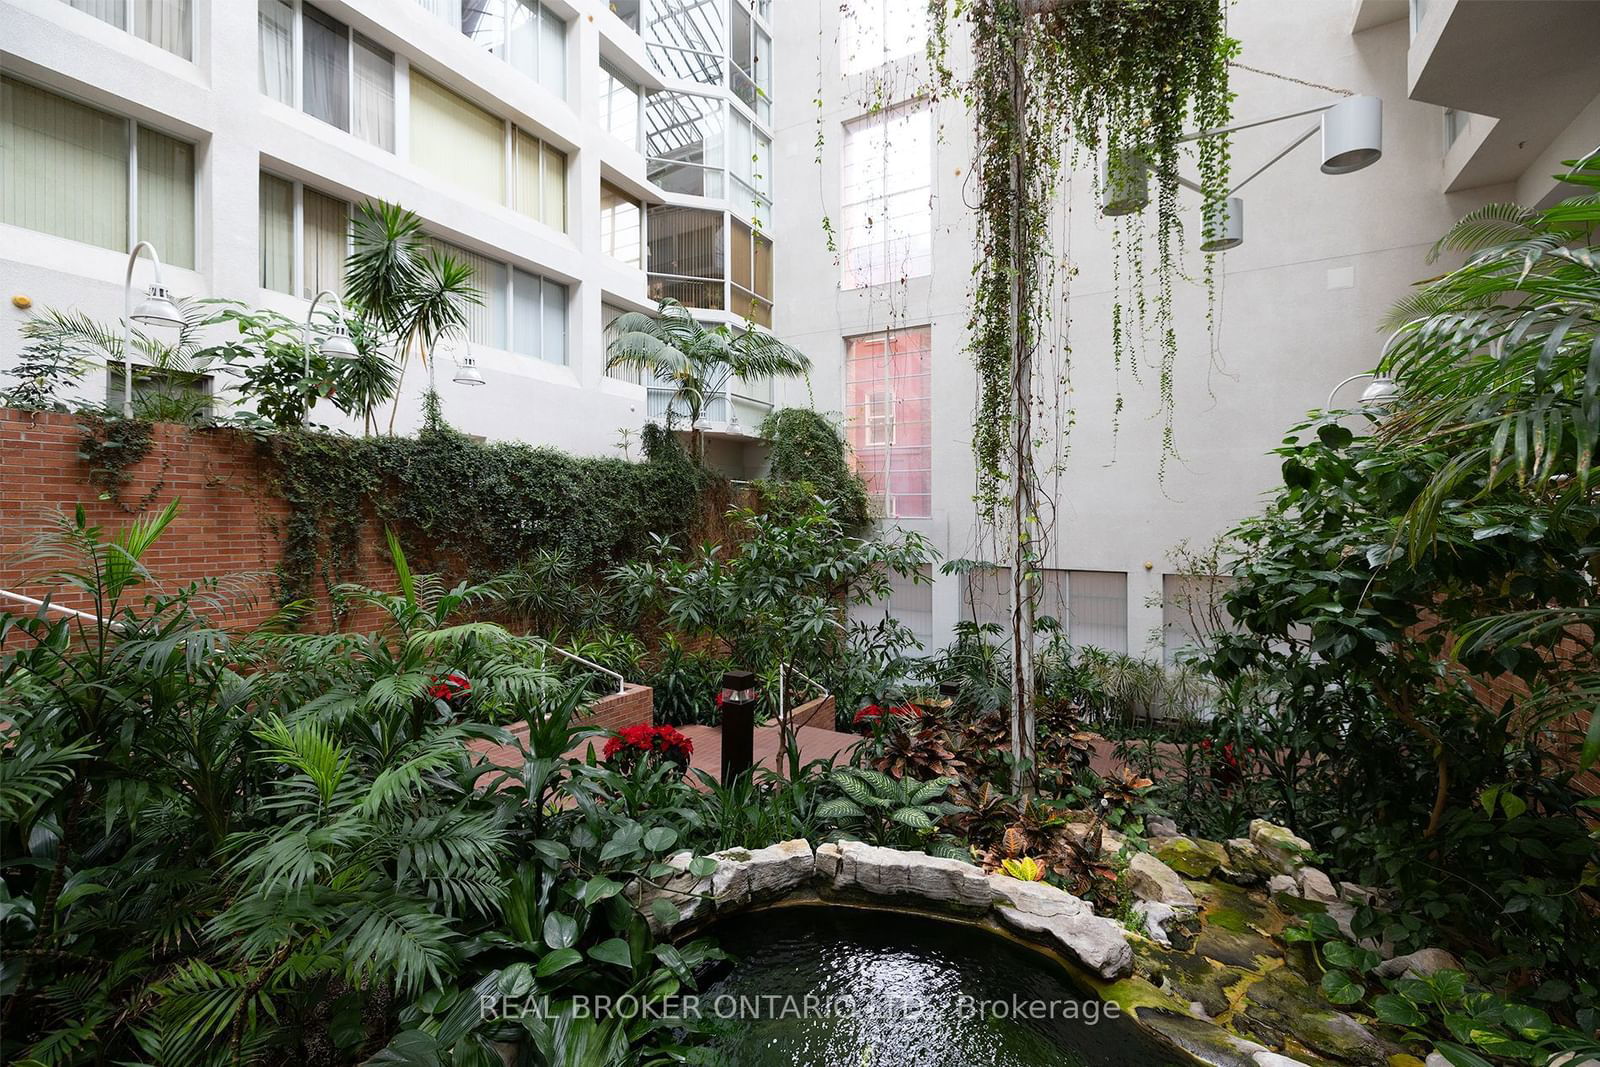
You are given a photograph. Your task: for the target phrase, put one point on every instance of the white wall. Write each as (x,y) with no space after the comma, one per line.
(214,102)
(1324,257)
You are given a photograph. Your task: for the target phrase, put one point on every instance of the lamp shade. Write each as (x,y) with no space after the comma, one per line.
(337,344)
(467,372)
(1223,226)
(157,309)
(1382,391)
(1124,183)
(1352,134)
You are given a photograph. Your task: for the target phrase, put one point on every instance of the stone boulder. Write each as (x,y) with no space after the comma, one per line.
(854,867)
(682,890)
(1155,916)
(1418,964)
(745,876)
(1192,857)
(1315,885)
(1282,848)
(1150,879)
(1098,943)
(1246,864)
(1160,826)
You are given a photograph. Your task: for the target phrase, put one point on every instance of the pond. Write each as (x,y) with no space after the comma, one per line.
(821,986)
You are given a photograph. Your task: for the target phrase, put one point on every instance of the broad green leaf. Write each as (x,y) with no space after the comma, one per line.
(665,911)
(1391,1008)
(702,866)
(1532,1023)
(560,931)
(614,950)
(1460,1057)
(1344,954)
(1340,988)
(552,850)
(559,960)
(598,889)
(660,838)
(516,980)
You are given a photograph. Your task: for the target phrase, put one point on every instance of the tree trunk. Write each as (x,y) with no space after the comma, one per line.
(1023,496)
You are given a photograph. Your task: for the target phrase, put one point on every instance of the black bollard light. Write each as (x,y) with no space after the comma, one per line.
(738,701)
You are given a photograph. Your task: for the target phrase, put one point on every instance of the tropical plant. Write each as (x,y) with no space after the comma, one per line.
(697,361)
(809,457)
(892,812)
(416,294)
(52,358)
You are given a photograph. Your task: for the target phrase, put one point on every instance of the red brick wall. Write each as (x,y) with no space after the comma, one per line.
(227,524)
(634,706)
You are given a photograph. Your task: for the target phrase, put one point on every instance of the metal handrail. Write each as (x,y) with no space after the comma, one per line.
(48,606)
(622,683)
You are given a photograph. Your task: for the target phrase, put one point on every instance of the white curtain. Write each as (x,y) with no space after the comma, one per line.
(528,193)
(277,234)
(1097,609)
(166,196)
(325,54)
(526,331)
(486,322)
(165,24)
(325,242)
(555,188)
(276,58)
(372,108)
(456,140)
(112,11)
(63,167)
(552,51)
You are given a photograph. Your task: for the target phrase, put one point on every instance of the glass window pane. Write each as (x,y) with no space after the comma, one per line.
(687,40)
(325,242)
(277,234)
(554,346)
(874,32)
(480,20)
(619,106)
(1097,609)
(621,220)
(64,170)
(457,140)
(555,188)
(486,322)
(887,389)
(165,24)
(112,11)
(325,91)
(372,111)
(276,50)
(166,197)
(887,217)
(684,142)
(552,52)
(528,195)
(526,298)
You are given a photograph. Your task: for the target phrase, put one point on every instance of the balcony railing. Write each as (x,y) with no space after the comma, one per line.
(727,410)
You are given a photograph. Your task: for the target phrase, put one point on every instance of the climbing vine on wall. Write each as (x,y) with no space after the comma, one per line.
(1104,80)
(470,508)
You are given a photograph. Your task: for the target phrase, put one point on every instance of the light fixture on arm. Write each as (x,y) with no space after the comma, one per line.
(1352,139)
(337,343)
(155,309)
(1383,391)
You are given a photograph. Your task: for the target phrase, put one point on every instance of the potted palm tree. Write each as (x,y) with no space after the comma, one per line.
(697,360)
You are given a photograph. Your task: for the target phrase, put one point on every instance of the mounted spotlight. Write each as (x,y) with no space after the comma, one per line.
(1124,183)
(157,308)
(1352,135)
(1224,225)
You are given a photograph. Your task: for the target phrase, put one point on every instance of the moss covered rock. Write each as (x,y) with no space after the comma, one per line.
(1191,857)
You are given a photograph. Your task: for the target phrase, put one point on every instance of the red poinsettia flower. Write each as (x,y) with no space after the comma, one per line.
(450,687)
(633,742)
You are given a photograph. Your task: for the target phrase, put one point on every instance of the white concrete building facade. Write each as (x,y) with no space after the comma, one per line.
(774,161)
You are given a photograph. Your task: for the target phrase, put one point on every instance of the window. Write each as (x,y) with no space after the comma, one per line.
(876,31)
(750,64)
(628,12)
(1455,124)
(161,394)
(295,217)
(608,315)
(521,312)
(751,274)
(888,217)
(888,411)
(541,181)
(910,601)
(619,106)
(1192,610)
(621,226)
(686,256)
(525,33)
(456,140)
(986,600)
(77,172)
(167,24)
(749,154)
(344,79)
(687,39)
(1097,609)
(683,142)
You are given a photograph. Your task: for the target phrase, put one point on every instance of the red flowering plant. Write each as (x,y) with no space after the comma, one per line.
(451,689)
(634,744)
(870,717)
(1226,768)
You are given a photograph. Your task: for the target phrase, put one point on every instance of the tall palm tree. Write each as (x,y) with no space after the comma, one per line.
(698,360)
(417,294)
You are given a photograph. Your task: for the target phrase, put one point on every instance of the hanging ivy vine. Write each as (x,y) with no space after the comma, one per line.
(1113,80)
